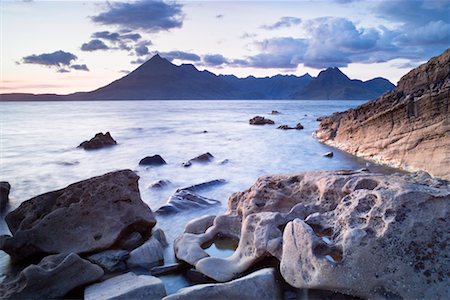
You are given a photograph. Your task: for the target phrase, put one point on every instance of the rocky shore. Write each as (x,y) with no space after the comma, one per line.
(408,127)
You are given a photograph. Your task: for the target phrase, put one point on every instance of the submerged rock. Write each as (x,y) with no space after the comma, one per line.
(87,216)
(203,158)
(159,184)
(275,112)
(127,286)
(5,187)
(155,160)
(259,285)
(287,127)
(100,140)
(53,277)
(204,185)
(258,120)
(334,230)
(184,200)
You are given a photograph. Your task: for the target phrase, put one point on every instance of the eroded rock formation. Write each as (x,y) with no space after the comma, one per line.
(408,127)
(353,232)
(100,140)
(258,120)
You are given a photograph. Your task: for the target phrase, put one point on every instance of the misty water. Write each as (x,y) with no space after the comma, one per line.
(39,148)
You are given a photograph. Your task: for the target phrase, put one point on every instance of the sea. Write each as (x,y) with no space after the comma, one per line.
(38,148)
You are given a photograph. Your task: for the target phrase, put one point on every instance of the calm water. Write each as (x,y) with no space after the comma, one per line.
(38,146)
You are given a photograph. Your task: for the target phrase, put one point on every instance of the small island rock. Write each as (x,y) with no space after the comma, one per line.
(100,140)
(155,160)
(258,120)
(5,187)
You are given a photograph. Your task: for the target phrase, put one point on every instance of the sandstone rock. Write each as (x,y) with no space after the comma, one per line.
(110,260)
(184,200)
(127,286)
(53,277)
(87,216)
(151,253)
(100,140)
(407,127)
(5,187)
(258,285)
(155,160)
(258,120)
(328,154)
(203,158)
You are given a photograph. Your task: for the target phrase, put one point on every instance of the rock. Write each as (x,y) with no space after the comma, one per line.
(328,154)
(159,184)
(259,285)
(405,128)
(5,187)
(275,112)
(199,225)
(131,241)
(203,158)
(332,230)
(287,127)
(110,260)
(53,277)
(100,140)
(204,185)
(87,216)
(184,200)
(258,120)
(299,126)
(155,160)
(151,253)
(197,277)
(127,286)
(168,269)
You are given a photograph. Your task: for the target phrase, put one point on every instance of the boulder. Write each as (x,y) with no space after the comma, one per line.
(275,112)
(131,241)
(200,224)
(185,200)
(5,187)
(159,184)
(151,253)
(406,128)
(258,120)
(100,140)
(87,216)
(203,158)
(155,160)
(261,285)
(53,277)
(110,260)
(127,286)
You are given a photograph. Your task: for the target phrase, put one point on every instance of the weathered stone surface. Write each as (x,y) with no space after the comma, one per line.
(100,140)
(151,253)
(200,224)
(110,260)
(259,285)
(334,230)
(131,241)
(155,160)
(408,127)
(5,187)
(184,200)
(87,216)
(258,120)
(53,277)
(203,158)
(127,286)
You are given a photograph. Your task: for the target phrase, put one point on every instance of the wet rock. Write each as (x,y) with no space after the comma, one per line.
(53,277)
(275,112)
(131,241)
(203,158)
(85,217)
(155,160)
(328,154)
(197,277)
(258,285)
(185,200)
(151,253)
(199,225)
(159,184)
(5,187)
(168,269)
(100,140)
(258,120)
(204,185)
(110,260)
(127,286)
(299,126)
(287,127)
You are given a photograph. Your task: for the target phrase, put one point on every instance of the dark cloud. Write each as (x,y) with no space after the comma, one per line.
(214,60)
(94,45)
(62,70)
(106,35)
(148,15)
(55,59)
(131,36)
(138,61)
(181,55)
(219,16)
(283,23)
(141,50)
(80,67)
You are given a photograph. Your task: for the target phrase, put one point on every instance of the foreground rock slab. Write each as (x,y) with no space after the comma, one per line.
(259,285)
(53,277)
(407,127)
(87,216)
(127,286)
(100,140)
(334,230)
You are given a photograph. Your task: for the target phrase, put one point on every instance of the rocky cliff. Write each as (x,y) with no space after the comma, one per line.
(408,127)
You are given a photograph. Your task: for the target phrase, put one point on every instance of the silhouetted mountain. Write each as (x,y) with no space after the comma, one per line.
(160,79)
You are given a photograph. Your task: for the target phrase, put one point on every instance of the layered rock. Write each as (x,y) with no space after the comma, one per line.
(408,127)
(87,216)
(52,278)
(100,140)
(185,200)
(353,232)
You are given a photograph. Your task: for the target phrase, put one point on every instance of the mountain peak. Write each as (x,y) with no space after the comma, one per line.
(332,74)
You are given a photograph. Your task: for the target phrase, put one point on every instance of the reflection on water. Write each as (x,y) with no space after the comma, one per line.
(221,247)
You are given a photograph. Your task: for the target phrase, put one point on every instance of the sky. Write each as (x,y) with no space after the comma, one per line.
(68,46)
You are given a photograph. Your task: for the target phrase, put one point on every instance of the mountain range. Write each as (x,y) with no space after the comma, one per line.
(159,79)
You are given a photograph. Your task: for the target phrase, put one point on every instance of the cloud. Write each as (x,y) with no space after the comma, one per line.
(141,50)
(147,15)
(181,55)
(247,35)
(55,59)
(131,36)
(106,35)
(214,60)
(283,23)
(220,16)
(138,61)
(80,67)
(62,70)
(94,45)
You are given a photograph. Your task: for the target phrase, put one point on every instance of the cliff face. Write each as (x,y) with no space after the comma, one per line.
(408,127)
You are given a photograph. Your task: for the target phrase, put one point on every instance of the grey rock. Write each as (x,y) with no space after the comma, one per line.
(185,200)
(151,253)
(131,241)
(155,160)
(100,140)
(159,184)
(258,120)
(203,158)
(110,260)
(168,269)
(204,185)
(5,187)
